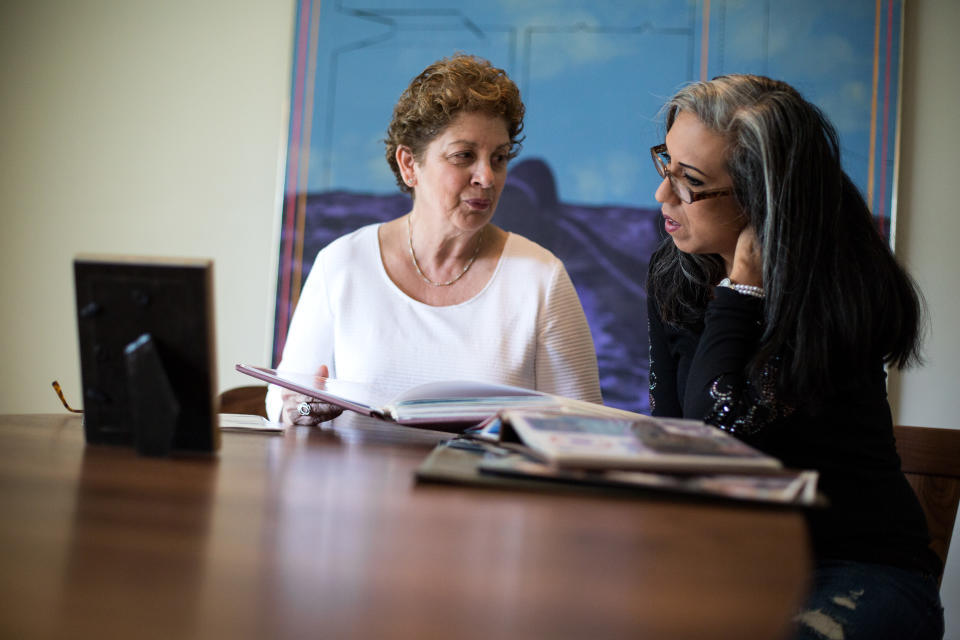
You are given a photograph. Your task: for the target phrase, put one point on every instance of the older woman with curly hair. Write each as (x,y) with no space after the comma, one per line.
(442,293)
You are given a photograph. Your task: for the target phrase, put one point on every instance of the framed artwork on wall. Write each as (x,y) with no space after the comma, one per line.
(594,75)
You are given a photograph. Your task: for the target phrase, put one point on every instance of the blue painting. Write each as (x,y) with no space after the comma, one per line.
(594,75)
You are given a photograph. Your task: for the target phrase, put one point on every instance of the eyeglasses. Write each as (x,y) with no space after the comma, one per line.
(662,162)
(56,387)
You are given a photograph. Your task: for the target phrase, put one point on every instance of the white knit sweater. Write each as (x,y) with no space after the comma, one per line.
(525,328)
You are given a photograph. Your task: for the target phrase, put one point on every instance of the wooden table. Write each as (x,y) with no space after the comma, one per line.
(324,533)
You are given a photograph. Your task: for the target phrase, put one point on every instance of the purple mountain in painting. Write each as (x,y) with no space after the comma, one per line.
(605,250)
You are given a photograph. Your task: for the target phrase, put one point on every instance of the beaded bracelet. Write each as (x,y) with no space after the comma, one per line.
(746,289)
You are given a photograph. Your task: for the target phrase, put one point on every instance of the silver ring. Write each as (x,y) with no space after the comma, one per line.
(304,408)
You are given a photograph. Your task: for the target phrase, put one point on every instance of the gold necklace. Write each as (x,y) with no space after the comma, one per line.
(416,265)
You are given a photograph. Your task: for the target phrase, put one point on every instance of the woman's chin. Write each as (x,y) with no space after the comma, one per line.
(475,219)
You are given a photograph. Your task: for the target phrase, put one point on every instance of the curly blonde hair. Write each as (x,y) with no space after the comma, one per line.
(443,90)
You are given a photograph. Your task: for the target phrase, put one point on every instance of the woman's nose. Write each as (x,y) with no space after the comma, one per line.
(483,175)
(665,192)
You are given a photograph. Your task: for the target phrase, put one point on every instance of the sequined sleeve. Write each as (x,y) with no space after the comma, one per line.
(742,408)
(718,389)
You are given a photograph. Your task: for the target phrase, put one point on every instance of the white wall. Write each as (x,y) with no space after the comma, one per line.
(928,227)
(136,126)
(141,127)
(928,231)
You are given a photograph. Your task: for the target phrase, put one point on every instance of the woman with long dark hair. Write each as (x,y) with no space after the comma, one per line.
(774,307)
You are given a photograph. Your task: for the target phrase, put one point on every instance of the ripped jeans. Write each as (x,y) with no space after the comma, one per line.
(851,600)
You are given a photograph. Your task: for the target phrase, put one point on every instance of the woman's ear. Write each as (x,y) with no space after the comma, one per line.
(407,164)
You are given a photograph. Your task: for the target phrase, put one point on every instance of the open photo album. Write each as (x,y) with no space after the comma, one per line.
(447,406)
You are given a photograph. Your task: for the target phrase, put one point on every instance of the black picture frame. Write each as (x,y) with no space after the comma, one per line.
(147,352)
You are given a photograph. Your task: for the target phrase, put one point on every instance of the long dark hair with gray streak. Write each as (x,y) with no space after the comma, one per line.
(836,299)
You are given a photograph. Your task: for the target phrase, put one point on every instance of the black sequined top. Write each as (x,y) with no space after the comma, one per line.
(873,515)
